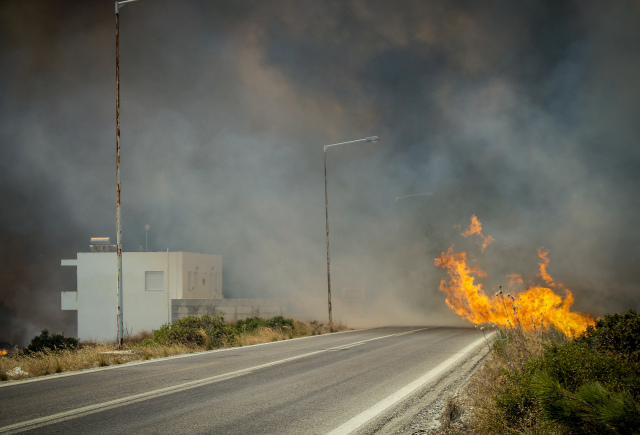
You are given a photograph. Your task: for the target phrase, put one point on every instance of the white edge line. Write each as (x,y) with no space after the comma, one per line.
(365,416)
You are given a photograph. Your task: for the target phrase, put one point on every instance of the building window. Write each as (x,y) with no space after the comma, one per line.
(154,281)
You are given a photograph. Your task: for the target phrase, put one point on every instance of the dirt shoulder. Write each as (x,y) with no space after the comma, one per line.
(424,412)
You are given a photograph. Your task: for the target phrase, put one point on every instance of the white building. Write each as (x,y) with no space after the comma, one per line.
(150,282)
(162,287)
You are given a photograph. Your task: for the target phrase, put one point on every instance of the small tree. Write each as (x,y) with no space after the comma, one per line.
(44,341)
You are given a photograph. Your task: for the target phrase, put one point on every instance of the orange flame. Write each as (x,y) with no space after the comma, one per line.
(514,278)
(476,228)
(535,307)
(543,267)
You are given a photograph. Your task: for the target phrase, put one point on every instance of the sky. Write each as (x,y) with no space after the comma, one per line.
(524,114)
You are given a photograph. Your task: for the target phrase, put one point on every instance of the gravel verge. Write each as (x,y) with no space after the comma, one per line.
(431,410)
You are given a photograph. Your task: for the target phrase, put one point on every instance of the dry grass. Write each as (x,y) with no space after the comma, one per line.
(137,338)
(89,355)
(301,329)
(451,412)
(486,417)
(477,412)
(138,347)
(508,354)
(263,335)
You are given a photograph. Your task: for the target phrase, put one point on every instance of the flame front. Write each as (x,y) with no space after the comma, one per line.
(535,307)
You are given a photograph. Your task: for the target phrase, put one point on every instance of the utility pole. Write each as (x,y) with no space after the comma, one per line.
(120,321)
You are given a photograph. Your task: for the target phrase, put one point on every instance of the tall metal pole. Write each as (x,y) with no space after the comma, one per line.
(326,209)
(120,340)
(120,321)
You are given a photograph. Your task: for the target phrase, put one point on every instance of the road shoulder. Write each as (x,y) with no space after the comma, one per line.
(421,412)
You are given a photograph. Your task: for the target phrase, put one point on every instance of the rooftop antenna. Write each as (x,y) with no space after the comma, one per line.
(146,239)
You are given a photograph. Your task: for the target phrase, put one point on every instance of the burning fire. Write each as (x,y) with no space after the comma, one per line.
(476,228)
(533,308)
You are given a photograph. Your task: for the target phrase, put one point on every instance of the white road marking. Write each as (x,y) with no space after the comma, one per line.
(98,407)
(365,417)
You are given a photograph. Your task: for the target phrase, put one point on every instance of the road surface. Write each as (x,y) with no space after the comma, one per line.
(349,382)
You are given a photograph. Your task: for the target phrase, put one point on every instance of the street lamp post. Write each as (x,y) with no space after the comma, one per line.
(120,326)
(326,209)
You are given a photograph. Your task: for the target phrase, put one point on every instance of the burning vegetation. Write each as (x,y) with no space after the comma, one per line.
(539,306)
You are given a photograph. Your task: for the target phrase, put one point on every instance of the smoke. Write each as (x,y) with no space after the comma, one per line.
(524,114)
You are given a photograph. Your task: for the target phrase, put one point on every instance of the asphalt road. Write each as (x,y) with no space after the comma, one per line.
(328,384)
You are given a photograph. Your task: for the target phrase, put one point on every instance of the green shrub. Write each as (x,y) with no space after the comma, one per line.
(211,331)
(591,409)
(44,342)
(249,324)
(574,363)
(279,322)
(208,331)
(619,333)
(589,385)
(516,401)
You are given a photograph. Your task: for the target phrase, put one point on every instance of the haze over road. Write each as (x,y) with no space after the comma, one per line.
(335,383)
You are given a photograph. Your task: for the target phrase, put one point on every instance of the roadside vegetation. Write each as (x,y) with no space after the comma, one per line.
(47,354)
(542,382)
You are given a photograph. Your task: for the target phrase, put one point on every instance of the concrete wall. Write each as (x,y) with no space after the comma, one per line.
(234,309)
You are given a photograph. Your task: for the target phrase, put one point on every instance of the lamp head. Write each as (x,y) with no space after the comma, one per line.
(372,139)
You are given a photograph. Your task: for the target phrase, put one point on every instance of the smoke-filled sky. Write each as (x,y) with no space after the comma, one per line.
(523,113)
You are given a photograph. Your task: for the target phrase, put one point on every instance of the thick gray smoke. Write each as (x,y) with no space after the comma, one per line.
(523,113)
